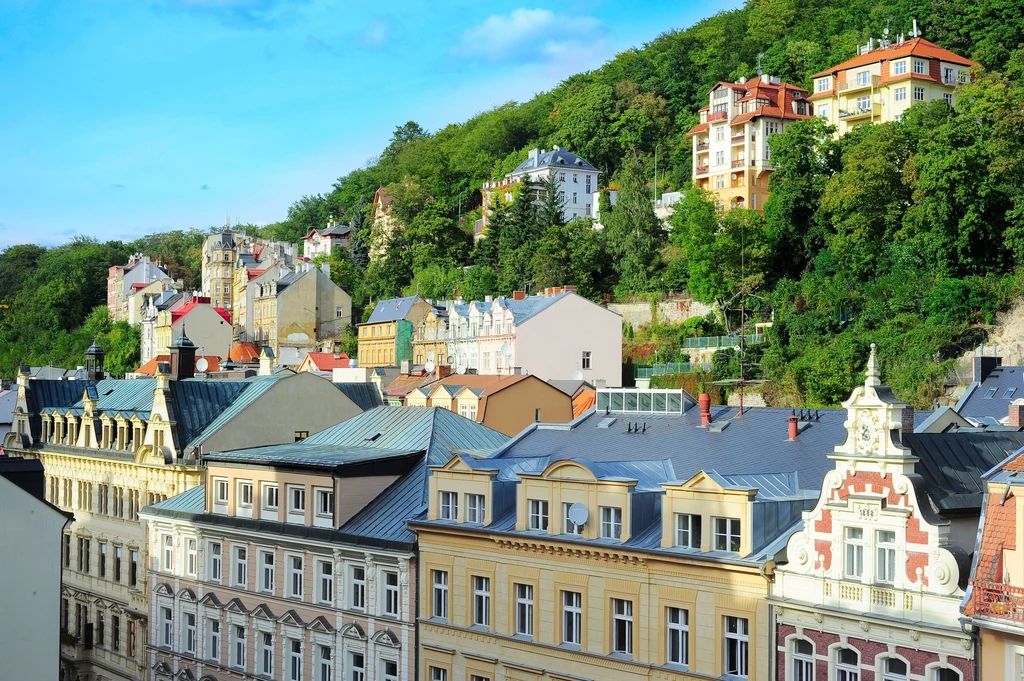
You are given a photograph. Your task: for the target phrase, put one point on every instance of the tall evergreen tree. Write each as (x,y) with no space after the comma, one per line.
(360,233)
(487,251)
(518,240)
(550,212)
(635,233)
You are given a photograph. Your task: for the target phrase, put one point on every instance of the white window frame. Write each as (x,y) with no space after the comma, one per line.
(572,618)
(622,626)
(191,556)
(294,659)
(438,674)
(728,530)
(244,491)
(390,594)
(325,663)
(324,503)
(448,506)
(167,552)
(920,67)
(476,507)
(357,575)
(439,594)
(296,575)
(845,671)
(296,503)
(166,627)
(524,609)
(863,77)
(538,514)
(356,666)
(238,651)
(388,675)
(586,360)
(919,94)
(688,531)
(737,643)
(568,526)
(213,639)
(611,522)
(325,582)
(240,562)
(266,653)
(885,557)
(267,571)
(220,492)
(899,67)
(216,572)
(884,673)
(190,633)
(270,500)
(802,665)
(678,635)
(899,94)
(823,85)
(481,601)
(853,553)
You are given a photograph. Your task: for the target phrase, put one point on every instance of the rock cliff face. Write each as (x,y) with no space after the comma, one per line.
(1004,339)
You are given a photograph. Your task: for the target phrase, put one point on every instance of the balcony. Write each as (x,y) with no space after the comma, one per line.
(739,163)
(717,116)
(701,170)
(993,599)
(847,86)
(739,139)
(703,146)
(867,112)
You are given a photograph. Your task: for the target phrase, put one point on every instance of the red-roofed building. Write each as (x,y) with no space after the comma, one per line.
(324,362)
(244,353)
(208,327)
(149,368)
(730,144)
(880,84)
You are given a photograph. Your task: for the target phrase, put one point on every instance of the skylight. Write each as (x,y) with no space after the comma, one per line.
(990,393)
(1009,393)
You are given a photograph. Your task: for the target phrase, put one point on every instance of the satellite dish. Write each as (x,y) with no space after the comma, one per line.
(353,363)
(506,349)
(577,376)
(202,365)
(461,370)
(430,356)
(429,367)
(578,514)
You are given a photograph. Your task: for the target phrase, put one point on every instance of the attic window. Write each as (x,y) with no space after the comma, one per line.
(1009,393)
(990,393)
(372,438)
(112,390)
(562,161)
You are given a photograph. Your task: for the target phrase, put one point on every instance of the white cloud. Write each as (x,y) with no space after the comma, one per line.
(530,35)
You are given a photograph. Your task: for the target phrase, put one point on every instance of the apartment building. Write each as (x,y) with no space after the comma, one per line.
(110,447)
(885,79)
(731,156)
(323,241)
(222,253)
(575,177)
(873,582)
(633,543)
(125,282)
(152,305)
(208,326)
(385,339)
(294,562)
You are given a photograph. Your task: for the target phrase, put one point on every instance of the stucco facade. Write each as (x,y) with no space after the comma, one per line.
(386,338)
(207,327)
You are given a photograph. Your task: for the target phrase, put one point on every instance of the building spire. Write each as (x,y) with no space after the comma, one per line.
(874,376)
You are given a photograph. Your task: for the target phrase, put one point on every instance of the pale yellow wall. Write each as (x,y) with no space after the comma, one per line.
(709,501)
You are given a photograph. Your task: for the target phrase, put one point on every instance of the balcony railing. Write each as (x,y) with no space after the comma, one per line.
(736,139)
(719,341)
(873,81)
(670,368)
(871,110)
(998,600)
(702,170)
(703,146)
(739,163)
(717,116)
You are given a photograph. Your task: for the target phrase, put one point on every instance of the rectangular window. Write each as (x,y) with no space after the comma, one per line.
(325,503)
(267,654)
(439,579)
(449,506)
(475,507)
(241,567)
(191,558)
(900,94)
(863,77)
(727,534)
(215,562)
(585,360)
(267,571)
(822,85)
(270,500)
(719,157)
(885,556)
(899,68)
(295,577)
(920,67)
(568,526)
(220,491)
(438,674)
(133,568)
(166,627)
(688,530)
(524,609)
(294,660)
(538,514)
(357,667)
(919,94)
(481,601)
(245,494)
(297,500)
(391,594)
(99,628)
(572,617)
(359,587)
(213,640)
(190,633)
(854,566)
(67,550)
(238,659)
(326,664)
(622,626)
(678,636)
(325,591)
(611,522)
(389,670)
(736,645)
(863,103)
(115,633)
(103,560)
(83,555)
(949,98)
(118,554)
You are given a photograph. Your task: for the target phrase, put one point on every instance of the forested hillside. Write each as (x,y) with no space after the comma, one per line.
(904,234)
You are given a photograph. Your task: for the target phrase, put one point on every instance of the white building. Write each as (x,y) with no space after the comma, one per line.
(323,241)
(575,176)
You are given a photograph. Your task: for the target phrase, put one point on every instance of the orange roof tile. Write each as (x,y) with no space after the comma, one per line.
(917,47)
(326,361)
(244,352)
(149,368)
(584,402)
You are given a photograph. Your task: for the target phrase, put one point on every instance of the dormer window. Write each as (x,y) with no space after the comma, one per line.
(449,506)
(611,522)
(823,84)
(475,508)
(920,67)
(688,530)
(727,534)
(538,514)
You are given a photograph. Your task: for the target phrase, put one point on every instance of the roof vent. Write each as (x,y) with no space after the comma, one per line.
(607,422)
(372,438)
(718,426)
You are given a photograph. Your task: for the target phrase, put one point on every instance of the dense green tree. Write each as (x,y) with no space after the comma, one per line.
(518,240)
(572,253)
(550,212)
(634,232)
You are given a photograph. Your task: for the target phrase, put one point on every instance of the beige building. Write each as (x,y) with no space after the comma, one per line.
(632,544)
(507,404)
(886,79)
(207,326)
(294,562)
(110,447)
(126,281)
(219,254)
(383,223)
(250,282)
(295,313)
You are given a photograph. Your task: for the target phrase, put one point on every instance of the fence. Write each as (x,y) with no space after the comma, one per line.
(720,341)
(669,368)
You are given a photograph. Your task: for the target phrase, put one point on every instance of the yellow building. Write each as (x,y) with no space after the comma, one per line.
(880,84)
(429,336)
(610,548)
(219,254)
(385,339)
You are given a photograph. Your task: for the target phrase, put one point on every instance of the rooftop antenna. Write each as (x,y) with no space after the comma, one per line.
(760,56)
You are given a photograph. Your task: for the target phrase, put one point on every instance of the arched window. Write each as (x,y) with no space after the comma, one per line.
(847,665)
(945,674)
(894,669)
(803,660)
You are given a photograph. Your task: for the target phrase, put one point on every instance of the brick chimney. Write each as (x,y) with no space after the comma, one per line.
(704,400)
(907,420)
(1016,416)
(794,426)
(519,295)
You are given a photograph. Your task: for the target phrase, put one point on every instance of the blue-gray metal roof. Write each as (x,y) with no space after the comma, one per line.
(769,486)
(433,430)
(531,306)
(201,406)
(191,501)
(309,456)
(392,310)
(992,397)
(385,517)
(366,396)
(556,158)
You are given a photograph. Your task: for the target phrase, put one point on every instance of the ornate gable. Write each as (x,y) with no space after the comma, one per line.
(353,630)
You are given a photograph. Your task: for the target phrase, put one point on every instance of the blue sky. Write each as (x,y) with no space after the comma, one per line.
(121,118)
